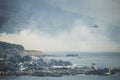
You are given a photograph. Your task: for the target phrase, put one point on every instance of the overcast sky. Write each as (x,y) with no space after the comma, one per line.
(61,25)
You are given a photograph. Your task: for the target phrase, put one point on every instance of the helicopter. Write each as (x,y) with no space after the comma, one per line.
(95,26)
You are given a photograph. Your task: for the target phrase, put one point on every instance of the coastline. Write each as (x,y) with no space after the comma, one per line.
(64,71)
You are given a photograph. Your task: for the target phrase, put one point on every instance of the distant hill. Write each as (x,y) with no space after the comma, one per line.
(32,53)
(5,45)
(10,49)
(13,49)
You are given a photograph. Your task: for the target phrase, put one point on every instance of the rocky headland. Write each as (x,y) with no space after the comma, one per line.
(15,60)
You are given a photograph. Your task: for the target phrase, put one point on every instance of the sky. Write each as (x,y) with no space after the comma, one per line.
(61,25)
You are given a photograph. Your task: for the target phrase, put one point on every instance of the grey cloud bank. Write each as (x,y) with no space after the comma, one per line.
(66,23)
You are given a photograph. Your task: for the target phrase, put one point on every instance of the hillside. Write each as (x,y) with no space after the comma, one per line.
(9,49)
(32,53)
(5,46)
(13,49)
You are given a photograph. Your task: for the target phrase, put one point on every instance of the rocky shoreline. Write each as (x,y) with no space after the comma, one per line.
(59,72)
(13,63)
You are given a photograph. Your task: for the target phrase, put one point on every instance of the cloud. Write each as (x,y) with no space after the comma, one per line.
(38,16)
(62,24)
(79,38)
(106,11)
(105,14)
(54,17)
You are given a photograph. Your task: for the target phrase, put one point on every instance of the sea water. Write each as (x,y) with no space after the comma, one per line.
(85,59)
(78,77)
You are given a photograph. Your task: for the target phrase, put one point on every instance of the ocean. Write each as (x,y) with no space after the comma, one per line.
(78,77)
(101,60)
